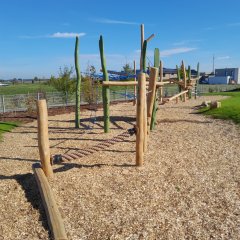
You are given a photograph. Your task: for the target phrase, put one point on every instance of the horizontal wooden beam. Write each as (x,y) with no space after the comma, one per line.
(130,83)
(177,95)
(54,218)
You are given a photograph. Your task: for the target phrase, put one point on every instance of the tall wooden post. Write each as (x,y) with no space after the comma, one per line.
(43,140)
(105,89)
(161,80)
(189,81)
(151,95)
(142,41)
(155,105)
(196,84)
(184,81)
(135,87)
(141,100)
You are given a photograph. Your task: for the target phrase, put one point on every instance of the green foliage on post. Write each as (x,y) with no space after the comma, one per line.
(179,79)
(155,108)
(78,86)
(105,89)
(144,56)
(156,58)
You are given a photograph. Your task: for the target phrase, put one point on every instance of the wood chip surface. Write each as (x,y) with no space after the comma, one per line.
(188,188)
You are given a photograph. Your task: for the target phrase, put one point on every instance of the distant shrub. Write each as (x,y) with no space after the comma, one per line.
(31,104)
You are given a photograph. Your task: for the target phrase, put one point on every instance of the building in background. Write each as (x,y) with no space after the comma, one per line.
(232,73)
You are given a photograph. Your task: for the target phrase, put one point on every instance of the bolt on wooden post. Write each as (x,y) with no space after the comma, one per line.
(140,118)
(43,140)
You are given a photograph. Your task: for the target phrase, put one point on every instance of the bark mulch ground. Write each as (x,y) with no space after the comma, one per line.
(188,188)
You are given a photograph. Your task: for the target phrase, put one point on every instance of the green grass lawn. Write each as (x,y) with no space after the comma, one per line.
(25,88)
(230,108)
(7,127)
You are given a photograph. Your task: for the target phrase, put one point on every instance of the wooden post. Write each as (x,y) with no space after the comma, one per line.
(161,80)
(189,81)
(184,81)
(142,41)
(145,118)
(140,119)
(155,105)
(43,140)
(135,79)
(54,218)
(105,90)
(196,84)
(151,95)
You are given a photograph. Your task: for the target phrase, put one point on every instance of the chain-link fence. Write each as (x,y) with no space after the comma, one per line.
(23,102)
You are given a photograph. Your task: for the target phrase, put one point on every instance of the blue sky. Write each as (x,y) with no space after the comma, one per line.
(37,37)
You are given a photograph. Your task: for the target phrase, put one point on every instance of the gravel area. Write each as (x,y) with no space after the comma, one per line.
(188,188)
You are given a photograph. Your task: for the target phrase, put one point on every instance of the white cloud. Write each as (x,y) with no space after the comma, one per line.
(223,58)
(56,35)
(66,35)
(174,51)
(184,42)
(111,21)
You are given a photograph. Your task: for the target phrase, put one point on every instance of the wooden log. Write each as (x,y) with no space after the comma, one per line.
(140,119)
(129,83)
(215,104)
(177,95)
(43,140)
(54,218)
(151,95)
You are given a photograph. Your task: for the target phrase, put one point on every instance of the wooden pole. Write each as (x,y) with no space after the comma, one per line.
(140,118)
(43,140)
(155,105)
(135,79)
(161,80)
(54,218)
(184,81)
(151,95)
(105,90)
(142,41)
(130,83)
(145,119)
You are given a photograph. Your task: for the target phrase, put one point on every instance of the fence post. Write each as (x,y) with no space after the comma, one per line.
(3,104)
(125,93)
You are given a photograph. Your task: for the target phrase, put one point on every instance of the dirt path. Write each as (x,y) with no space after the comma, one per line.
(188,187)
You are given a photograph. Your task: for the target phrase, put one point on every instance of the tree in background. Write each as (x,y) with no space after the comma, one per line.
(90,86)
(64,83)
(127,69)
